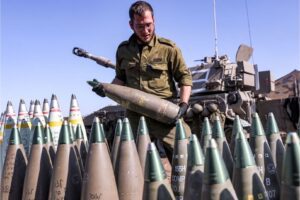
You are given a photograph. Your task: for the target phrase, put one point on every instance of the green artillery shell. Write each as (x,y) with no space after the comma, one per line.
(39,168)
(223,147)
(14,168)
(99,180)
(142,141)
(66,178)
(129,175)
(116,143)
(156,186)
(263,158)
(275,142)
(179,161)
(246,179)
(290,180)
(216,184)
(195,170)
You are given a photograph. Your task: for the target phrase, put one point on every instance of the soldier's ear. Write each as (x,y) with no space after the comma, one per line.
(131,24)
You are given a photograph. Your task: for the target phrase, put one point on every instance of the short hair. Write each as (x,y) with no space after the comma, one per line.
(138,8)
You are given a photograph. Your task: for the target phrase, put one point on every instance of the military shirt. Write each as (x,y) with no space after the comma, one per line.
(154,69)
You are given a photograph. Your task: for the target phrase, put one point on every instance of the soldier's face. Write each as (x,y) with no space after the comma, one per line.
(143,26)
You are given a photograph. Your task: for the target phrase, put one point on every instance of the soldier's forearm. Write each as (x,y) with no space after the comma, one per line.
(117,81)
(185,92)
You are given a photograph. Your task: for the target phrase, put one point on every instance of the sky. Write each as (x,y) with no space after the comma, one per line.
(37,38)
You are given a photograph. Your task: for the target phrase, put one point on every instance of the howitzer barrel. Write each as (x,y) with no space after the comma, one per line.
(141,102)
(99,60)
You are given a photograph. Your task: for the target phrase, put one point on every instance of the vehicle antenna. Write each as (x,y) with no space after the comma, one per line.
(249,28)
(215,30)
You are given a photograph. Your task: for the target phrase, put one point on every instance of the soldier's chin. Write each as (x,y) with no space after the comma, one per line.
(145,40)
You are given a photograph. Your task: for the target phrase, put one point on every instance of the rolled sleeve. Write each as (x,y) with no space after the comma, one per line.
(120,73)
(181,73)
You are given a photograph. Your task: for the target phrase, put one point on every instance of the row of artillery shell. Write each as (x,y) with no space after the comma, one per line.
(119,174)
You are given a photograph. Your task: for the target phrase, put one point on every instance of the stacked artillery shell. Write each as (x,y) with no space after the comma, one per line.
(275,142)
(2,156)
(66,177)
(144,103)
(78,155)
(263,158)
(99,180)
(103,131)
(39,168)
(55,119)
(179,161)
(14,168)
(116,143)
(1,141)
(195,170)
(38,114)
(206,134)
(290,180)
(75,117)
(246,179)
(26,136)
(24,126)
(129,175)
(156,185)
(49,143)
(223,147)
(46,109)
(31,109)
(142,141)
(72,135)
(237,127)
(80,144)
(216,184)
(9,123)
(22,114)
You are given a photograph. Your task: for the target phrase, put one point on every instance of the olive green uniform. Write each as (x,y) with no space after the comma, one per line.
(153,69)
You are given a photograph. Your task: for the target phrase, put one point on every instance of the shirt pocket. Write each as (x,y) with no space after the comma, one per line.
(131,70)
(158,73)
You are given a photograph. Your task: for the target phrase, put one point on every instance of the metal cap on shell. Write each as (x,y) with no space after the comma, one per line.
(154,170)
(118,129)
(195,154)
(142,128)
(79,133)
(272,127)
(64,135)
(97,136)
(256,127)
(217,130)
(48,134)
(38,135)
(291,163)
(126,131)
(15,136)
(215,171)
(243,156)
(180,132)
(237,126)
(206,128)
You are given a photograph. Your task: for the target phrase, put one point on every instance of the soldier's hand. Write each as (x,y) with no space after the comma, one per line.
(182,110)
(97,87)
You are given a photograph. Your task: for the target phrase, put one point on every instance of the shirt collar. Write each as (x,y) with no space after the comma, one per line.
(152,43)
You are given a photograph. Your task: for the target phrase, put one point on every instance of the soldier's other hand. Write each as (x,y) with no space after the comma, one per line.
(182,110)
(98,89)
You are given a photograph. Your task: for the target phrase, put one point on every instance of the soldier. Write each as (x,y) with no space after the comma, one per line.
(152,64)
